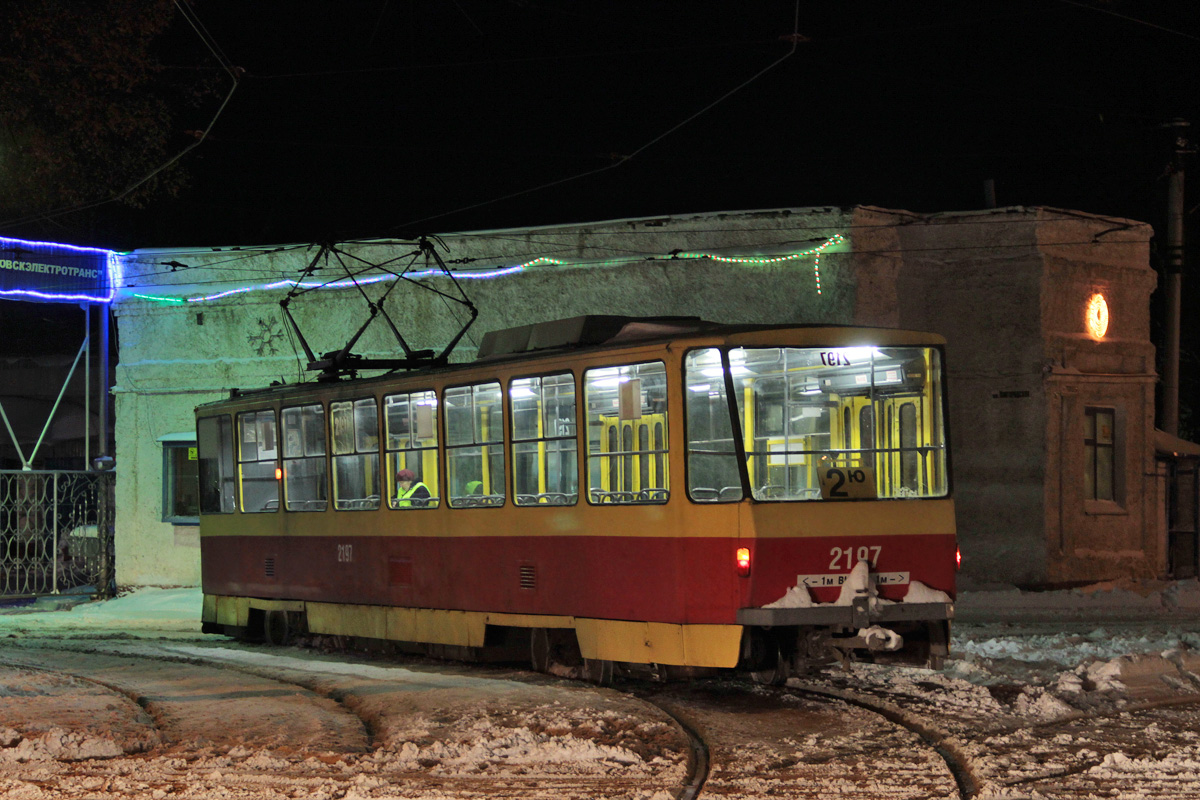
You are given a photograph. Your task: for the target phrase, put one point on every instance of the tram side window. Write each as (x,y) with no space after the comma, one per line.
(475,445)
(627,433)
(214,437)
(411,423)
(258,450)
(712,455)
(545,464)
(355,454)
(304,469)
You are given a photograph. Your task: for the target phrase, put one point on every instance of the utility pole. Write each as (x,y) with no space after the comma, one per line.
(1173,267)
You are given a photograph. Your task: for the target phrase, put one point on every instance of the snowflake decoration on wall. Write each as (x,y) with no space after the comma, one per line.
(264,340)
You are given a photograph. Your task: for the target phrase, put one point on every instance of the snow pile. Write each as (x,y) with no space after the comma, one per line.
(795,597)
(547,739)
(859,584)
(56,745)
(1180,766)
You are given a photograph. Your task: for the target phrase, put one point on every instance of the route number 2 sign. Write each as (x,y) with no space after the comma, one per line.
(842,483)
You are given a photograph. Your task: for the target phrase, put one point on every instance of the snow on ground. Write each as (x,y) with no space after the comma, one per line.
(1091,692)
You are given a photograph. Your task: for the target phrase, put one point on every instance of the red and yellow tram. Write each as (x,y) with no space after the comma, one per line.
(606,492)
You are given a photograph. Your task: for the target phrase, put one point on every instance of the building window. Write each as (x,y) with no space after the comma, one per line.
(1099,473)
(181,483)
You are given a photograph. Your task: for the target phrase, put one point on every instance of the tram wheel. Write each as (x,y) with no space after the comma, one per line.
(277,628)
(555,651)
(773,670)
(539,649)
(599,671)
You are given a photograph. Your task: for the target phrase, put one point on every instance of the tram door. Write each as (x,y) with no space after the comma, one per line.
(887,434)
(640,444)
(902,464)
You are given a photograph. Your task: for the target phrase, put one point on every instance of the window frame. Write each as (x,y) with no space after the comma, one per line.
(241,462)
(568,499)
(1093,504)
(389,471)
(463,501)
(656,495)
(223,460)
(171,446)
(284,458)
(359,503)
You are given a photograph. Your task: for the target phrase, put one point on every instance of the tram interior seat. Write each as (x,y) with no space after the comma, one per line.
(477,501)
(707,494)
(420,502)
(547,499)
(359,504)
(629,498)
(730,493)
(307,505)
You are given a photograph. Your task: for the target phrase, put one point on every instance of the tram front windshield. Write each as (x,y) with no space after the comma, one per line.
(816,423)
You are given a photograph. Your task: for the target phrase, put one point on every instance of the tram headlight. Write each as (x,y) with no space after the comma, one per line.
(743,561)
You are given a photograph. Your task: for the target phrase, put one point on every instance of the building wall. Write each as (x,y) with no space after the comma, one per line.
(1089,539)
(976,279)
(996,284)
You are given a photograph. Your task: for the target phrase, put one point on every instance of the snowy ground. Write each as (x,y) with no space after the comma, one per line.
(1087,693)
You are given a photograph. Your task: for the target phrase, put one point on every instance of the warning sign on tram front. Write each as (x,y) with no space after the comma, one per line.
(877,578)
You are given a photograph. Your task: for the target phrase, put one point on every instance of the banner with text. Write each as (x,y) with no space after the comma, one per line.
(42,271)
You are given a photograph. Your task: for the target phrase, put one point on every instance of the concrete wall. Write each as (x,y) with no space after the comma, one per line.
(976,279)
(995,284)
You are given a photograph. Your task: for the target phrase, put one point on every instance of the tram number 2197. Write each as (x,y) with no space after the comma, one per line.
(345,553)
(847,482)
(847,557)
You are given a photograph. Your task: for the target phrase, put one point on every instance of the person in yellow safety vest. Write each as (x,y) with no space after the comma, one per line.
(412,493)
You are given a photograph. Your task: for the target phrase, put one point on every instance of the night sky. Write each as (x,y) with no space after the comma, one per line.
(386,118)
(383,118)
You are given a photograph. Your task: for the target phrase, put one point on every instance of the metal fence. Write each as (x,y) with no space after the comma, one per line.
(56,532)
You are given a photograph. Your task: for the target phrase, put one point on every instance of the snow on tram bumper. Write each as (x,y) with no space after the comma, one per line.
(858,607)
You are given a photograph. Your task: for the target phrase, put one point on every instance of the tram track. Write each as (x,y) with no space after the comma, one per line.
(698,758)
(948,747)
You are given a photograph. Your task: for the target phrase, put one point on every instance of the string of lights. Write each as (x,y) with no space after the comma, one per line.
(498,272)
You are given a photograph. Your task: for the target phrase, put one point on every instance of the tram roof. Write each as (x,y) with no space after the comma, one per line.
(591,331)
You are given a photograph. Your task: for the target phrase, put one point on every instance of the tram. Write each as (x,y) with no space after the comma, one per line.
(600,494)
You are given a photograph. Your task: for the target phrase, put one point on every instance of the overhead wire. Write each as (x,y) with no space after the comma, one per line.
(624,159)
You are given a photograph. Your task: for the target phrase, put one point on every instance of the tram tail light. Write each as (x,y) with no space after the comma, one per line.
(743,561)
(957,558)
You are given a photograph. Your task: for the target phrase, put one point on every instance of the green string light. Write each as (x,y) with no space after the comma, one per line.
(816,252)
